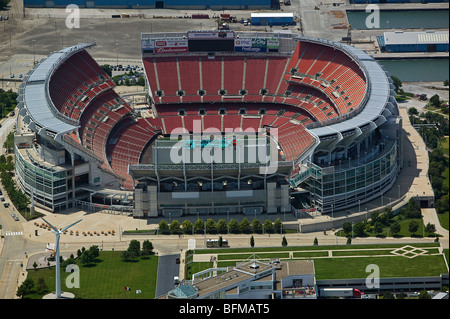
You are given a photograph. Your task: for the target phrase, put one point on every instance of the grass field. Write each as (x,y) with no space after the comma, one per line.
(431,263)
(107,278)
(395,266)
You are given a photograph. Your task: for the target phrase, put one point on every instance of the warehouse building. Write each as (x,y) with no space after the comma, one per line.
(278,18)
(428,41)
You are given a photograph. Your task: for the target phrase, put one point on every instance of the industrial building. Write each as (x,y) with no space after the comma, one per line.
(425,41)
(271,18)
(154,4)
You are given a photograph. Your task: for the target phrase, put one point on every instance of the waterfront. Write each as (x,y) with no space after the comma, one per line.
(418,70)
(408,19)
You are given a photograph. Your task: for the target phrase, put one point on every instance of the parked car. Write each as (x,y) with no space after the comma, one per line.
(6,205)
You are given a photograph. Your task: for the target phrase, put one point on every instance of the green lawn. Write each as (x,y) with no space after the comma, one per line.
(395,266)
(343,268)
(196,267)
(107,278)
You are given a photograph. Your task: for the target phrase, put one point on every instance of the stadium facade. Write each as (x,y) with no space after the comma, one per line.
(234,122)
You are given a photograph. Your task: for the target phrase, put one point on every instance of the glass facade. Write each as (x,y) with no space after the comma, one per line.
(47,184)
(344,187)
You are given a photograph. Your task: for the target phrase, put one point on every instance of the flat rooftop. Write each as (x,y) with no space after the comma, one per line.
(425,37)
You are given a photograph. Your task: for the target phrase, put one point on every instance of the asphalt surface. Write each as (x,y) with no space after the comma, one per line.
(167,269)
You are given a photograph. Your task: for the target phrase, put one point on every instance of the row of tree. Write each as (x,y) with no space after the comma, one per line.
(380,220)
(8,100)
(221,227)
(15,194)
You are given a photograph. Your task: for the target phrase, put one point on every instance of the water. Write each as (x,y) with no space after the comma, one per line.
(414,70)
(409,19)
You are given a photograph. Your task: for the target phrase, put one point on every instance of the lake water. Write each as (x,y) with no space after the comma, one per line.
(416,70)
(408,19)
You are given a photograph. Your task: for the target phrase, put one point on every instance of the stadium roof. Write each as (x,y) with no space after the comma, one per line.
(34,102)
(427,37)
(379,92)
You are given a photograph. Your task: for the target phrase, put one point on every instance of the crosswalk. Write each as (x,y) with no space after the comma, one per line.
(13,233)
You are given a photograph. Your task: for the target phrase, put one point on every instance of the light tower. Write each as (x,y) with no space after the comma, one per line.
(58,232)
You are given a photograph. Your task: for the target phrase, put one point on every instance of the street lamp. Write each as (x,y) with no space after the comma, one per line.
(359,205)
(117,53)
(399,191)
(34,51)
(332,212)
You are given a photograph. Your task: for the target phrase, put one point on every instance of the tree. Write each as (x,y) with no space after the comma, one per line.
(268,226)
(347,227)
(349,241)
(445,83)
(358,229)
(94,250)
(220,241)
(187,226)
(395,228)
(128,255)
(256,225)
(374,217)
(412,210)
(163,226)
(244,225)
(35,265)
(141,81)
(252,242)
(199,225)
(25,288)
(316,242)
(435,101)
(284,242)
(3,4)
(413,226)
(233,225)
(424,295)
(388,295)
(135,247)
(175,225)
(378,228)
(278,225)
(413,111)
(87,257)
(41,285)
(107,69)
(397,83)
(221,226)
(430,228)
(210,225)
(147,248)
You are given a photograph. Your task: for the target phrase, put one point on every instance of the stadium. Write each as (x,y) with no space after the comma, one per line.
(233,122)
